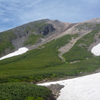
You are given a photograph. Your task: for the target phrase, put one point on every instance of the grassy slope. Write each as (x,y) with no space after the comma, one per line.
(44,62)
(80,50)
(32,39)
(5,40)
(35,62)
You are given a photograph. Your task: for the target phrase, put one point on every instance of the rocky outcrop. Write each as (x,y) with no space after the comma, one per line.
(55,88)
(45,30)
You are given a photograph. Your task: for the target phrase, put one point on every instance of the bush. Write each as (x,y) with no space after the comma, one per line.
(23,91)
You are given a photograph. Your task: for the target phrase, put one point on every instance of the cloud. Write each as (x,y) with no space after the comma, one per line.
(6,20)
(17,12)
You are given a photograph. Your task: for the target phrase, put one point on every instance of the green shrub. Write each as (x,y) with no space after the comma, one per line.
(32,98)
(23,91)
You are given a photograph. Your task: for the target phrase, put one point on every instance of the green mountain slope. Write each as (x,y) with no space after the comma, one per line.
(43,62)
(46,40)
(27,35)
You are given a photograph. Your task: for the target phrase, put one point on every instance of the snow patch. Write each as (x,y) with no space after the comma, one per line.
(81,88)
(96,50)
(18,52)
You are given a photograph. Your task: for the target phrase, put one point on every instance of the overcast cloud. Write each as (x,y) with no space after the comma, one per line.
(14,13)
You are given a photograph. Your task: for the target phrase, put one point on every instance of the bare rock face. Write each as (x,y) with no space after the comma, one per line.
(45,30)
(55,88)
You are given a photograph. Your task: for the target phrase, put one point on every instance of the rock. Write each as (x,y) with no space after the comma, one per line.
(55,88)
(45,30)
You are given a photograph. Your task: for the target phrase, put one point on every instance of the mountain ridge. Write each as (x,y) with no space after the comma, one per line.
(44,31)
(42,28)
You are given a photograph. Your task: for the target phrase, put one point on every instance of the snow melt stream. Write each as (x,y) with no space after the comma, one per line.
(18,52)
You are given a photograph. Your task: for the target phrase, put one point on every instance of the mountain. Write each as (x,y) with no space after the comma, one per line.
(40,32)
(37,32)
(56,49)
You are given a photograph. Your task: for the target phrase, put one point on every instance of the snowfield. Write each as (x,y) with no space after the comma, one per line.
(96,50)
(18,52)
(81,88)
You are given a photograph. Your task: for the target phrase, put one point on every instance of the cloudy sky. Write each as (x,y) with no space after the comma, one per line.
(17,12)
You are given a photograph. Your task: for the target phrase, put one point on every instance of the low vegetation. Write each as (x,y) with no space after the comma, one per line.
(32,62)
(80,50)
(44,63)
(32,39)
(23,91)
(5,40)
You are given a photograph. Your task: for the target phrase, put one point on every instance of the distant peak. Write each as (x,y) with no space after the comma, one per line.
(94,20)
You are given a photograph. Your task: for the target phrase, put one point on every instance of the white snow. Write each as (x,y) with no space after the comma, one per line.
(96,50)
(81,88)
(18,52)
